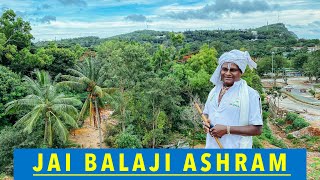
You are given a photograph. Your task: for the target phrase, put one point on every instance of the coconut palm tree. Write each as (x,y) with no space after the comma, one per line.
(90,75)
(45,103)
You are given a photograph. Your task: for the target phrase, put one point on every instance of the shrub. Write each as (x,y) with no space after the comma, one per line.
(279,143)
(290,117)
(289,129)
(299,123)
(290,136)
(257,143)
(280,121)
(110,135)
(126,140)
(312,92)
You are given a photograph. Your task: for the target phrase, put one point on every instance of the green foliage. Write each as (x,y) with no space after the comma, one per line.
(314,169)
(16,31)
(290,117)
(87,42)
(11,87)
(290,136)
(289,129)
(127,63)
(299,60)
(126,140)
(312,92)
(15,45)
(196,72)
(256,144)
(63,59)
(299,123)
(11,138)
(311,67)
(89,76)
(46,106)
(253,80)
(110,135)
(280,121)
(268,135)
(295,121)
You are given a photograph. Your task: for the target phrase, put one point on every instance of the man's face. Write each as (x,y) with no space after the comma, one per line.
(230,73)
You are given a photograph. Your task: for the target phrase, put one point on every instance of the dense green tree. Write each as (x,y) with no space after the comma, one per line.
(11,88)
(176,38)
(12,138)
(16,31)
(299,60)
(63,59)
(127,65)
(45,105)
(196,72)
(162,95)
(312,67)
(15,45)
(253,80)
(264,66)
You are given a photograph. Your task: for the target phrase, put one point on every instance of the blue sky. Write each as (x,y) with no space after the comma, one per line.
(59,19)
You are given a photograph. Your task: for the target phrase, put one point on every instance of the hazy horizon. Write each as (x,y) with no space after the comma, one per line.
(63,19)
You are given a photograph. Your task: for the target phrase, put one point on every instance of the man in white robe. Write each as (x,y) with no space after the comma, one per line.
(233,108)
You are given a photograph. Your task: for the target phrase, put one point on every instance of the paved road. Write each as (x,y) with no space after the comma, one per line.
(313,112)
(298,83)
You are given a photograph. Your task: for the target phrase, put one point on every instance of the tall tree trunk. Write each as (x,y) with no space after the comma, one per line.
(153,136)
(94,114)
(50,133)
(99,125)
(90,110)
(45,130)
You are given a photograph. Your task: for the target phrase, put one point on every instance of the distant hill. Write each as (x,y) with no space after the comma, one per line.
(83,41)
(265,32)
(257,40)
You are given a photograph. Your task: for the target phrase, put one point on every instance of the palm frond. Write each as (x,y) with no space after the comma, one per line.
(67,100)
(23,103)
(70,78)
(29,120)
(109,90)
(60,129)
(68,119)
(84,108)
(98,91)
(85,80)
(32,85)
(64,108)
(72,84)
(56,79)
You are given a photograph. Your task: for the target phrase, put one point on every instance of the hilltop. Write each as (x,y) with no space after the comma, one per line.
(259,41)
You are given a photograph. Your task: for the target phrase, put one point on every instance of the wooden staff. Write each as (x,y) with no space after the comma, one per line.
(205,120)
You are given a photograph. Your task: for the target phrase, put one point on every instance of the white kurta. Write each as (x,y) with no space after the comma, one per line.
(228,113)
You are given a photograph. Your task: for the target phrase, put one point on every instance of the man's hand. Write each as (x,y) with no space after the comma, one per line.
(218,130)
(206,126)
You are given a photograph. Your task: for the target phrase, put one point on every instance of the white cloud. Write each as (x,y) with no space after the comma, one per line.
(177,8)
(108,27)
(70,29)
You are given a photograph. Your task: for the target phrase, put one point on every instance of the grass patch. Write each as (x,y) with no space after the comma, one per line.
(314,169)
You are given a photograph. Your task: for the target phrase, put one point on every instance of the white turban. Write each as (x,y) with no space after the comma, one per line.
(240,58)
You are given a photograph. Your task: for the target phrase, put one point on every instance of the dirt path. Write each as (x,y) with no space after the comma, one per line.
(88,136)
